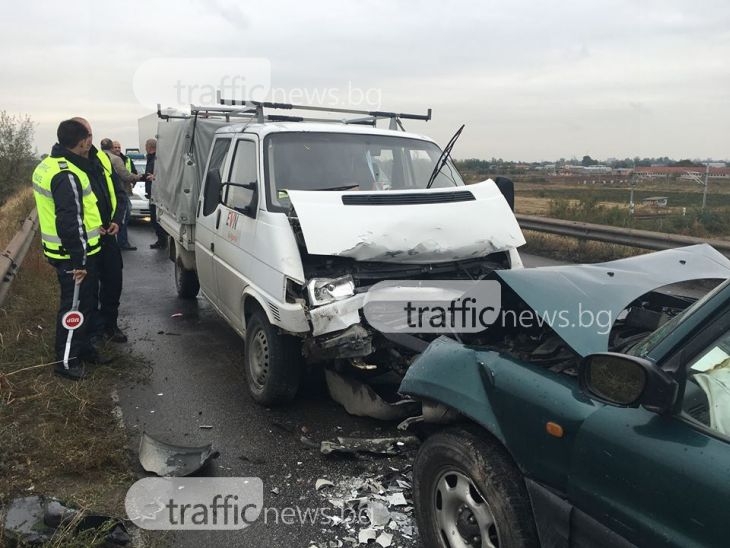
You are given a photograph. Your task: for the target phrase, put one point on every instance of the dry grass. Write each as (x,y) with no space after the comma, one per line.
(57,437)
(12,214)
(564,248)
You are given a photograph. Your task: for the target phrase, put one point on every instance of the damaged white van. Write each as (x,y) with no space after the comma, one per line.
(285,222)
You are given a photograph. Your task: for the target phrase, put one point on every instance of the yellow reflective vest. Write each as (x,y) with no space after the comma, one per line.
(42,177)
(106,163)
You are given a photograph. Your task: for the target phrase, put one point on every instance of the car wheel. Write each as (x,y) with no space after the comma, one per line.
(467,492)
(272,362)
(186,281)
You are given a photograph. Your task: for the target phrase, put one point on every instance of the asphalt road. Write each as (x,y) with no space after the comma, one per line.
(196,379)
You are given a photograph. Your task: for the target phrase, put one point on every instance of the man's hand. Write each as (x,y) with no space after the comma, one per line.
(79,274)
(112,229)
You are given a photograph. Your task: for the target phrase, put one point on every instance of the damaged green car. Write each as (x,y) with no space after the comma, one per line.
(566,432)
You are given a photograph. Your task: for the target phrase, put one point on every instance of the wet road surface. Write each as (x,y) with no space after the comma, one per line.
(197,380)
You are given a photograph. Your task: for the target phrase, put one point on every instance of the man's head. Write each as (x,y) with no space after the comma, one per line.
(84,122)
(74,136)
(106,144)
(150,146)
(117,148)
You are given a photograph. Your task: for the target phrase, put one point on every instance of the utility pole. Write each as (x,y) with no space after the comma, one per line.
(704,192)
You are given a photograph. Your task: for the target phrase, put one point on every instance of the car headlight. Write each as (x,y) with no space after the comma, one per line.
(328,290)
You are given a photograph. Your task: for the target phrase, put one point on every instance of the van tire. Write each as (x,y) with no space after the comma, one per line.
(272,362)
(186,281)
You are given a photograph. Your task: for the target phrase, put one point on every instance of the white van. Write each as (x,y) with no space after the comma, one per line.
(285,223)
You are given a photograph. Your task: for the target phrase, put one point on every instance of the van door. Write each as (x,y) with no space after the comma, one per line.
(209,217)
(233,263)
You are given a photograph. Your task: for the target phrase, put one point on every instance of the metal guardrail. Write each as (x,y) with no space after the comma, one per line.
(12,257)
(644,239)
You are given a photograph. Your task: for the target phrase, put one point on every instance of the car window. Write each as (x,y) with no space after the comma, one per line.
(243,171)
(707,393)
(212,185)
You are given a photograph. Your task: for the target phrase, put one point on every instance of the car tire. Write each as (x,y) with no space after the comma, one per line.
(465,486)
(272,362)
(186,281)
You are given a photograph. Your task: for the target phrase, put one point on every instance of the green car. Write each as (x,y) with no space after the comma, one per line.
(567,433)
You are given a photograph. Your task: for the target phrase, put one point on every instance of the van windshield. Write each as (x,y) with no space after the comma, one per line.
(338,161)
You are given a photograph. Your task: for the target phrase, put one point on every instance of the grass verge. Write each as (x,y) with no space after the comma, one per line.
(58,438)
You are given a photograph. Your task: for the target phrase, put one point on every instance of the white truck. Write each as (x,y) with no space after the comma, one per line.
(285,222)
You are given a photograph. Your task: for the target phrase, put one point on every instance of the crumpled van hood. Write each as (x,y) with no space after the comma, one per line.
(407,226)
(607,288)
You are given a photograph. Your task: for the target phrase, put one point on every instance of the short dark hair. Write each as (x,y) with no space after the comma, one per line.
(106,143)
(70,133)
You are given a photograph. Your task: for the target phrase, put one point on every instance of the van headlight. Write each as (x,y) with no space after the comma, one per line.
(328,290)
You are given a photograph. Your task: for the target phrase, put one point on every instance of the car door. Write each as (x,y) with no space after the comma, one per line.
(208,218)
(663,480)
(233,263)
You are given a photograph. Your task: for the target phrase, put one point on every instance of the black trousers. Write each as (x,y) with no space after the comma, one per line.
(110,284)
(81,338)
(159,231)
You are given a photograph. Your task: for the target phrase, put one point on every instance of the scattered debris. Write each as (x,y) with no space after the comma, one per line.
(366,535)
(166,460)
(205,426)
(361,399)
(35,520)
(364,510)
(379,446)
(253,459)
(384,540)
(322,483)
(275,490)
(177,315)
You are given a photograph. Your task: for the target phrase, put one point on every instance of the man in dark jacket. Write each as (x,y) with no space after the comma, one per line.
(112,203)
(149,177)
(71,227)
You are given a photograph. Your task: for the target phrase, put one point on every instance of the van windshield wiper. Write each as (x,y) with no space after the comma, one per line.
(346,187)
(441,162)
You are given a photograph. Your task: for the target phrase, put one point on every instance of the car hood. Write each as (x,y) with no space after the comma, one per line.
(408,226)
(577,301)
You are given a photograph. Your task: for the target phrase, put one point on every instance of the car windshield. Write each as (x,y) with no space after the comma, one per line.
(337,161)
(644,348)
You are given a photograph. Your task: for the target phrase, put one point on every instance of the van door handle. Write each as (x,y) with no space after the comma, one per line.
(217,219)
(212,247)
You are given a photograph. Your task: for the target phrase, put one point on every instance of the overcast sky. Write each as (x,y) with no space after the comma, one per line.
(532,80)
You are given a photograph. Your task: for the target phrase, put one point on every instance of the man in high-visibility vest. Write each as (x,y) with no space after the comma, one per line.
(128,177)
(112,203)
(71,228)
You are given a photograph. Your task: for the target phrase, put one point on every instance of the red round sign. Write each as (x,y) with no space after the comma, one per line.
(72,319)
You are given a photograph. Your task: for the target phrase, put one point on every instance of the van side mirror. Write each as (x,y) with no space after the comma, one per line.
(627,381)
(250,209)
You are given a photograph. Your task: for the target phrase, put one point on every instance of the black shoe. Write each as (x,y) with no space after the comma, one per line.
(75,372)
(115,335)
(128,248)
(159,244)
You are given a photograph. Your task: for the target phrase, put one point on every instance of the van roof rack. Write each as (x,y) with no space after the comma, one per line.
(229,109)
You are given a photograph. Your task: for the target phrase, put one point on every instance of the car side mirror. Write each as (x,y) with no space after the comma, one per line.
(248,210)
(627,381)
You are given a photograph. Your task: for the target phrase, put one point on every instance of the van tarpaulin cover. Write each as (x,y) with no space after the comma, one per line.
(179,168)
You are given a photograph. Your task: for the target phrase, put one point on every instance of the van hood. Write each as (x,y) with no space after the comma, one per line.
(408,226)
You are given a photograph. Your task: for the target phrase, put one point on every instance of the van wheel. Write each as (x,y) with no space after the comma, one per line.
(186,281)
(467,492)
(272,362)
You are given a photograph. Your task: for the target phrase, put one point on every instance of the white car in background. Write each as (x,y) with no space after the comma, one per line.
(140,203)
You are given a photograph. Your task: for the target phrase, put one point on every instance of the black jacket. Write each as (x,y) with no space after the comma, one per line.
(68,201)
(149,170)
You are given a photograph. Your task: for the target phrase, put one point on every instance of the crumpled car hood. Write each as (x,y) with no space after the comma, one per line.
(579,291)
(407,226)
